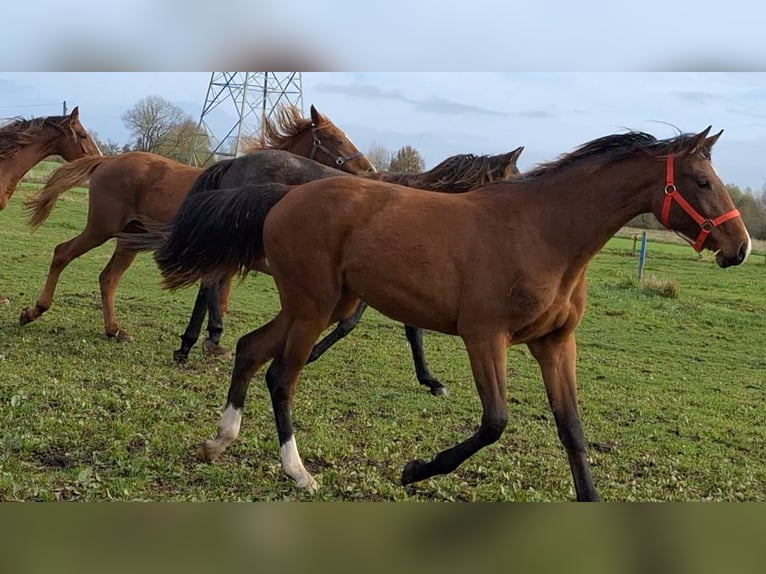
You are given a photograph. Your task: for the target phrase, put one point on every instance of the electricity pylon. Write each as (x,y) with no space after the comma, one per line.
(235,107)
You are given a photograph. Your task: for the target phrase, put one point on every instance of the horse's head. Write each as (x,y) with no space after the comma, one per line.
(697,205)
(74,141)
(330,140)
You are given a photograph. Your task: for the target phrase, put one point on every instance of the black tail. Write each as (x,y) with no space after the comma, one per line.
(216,234)
(144,234)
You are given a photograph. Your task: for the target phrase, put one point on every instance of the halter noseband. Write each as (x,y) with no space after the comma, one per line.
(318,145)
(706,225)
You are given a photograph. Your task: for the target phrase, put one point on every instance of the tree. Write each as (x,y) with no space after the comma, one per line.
(108,147)
(178,142)
(407,160)
(152,120)
(380,157)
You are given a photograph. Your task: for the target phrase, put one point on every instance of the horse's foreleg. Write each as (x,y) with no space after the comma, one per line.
(415,338)
(191,335)
(108,280)
(557,357)
(63,254)
(488,360)
(253,351)
(343,328)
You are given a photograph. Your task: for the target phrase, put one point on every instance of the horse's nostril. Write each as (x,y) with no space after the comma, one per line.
(742,252)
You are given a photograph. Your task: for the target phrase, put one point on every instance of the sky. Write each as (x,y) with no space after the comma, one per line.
(445,113)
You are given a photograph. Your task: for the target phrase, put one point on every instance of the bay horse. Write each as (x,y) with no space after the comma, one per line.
(128,187)
(498,266)
(24,143)
(458,173)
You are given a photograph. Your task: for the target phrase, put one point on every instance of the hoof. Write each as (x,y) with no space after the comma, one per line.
(435,387)
(309,484)
(440,391)
(210,349)
(208,451)
(413,471)
(180,356)
(122,336)
(26,316)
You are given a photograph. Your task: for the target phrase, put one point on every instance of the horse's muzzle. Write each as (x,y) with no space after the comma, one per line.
(739,258)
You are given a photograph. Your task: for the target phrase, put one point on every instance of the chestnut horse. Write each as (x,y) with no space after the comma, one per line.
(24,143)
(198,211)
(499,266)
(135,185)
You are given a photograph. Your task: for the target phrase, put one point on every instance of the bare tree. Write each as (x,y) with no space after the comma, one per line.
(151,120)
(108,147)
(380,157)
(407,160)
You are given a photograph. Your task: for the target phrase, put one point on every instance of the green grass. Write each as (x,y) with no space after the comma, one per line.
(671,391)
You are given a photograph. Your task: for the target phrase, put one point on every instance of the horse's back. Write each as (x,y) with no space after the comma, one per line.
(277,166)
(141,183)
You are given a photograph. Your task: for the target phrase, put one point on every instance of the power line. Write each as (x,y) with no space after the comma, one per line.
(30,105)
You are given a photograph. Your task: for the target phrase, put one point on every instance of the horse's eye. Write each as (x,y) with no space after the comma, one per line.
(703,183)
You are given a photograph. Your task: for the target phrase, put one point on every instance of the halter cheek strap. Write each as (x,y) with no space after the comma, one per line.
(706,225)
(339,159)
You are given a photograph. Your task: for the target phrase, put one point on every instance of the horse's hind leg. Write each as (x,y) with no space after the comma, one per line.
(108,280)
(191,334)
(415,338)
(282,381)
(253,351)
(225,293)
(212,345)
(343,328)
(63,254)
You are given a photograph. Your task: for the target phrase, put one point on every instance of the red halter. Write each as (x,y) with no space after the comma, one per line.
(706,225)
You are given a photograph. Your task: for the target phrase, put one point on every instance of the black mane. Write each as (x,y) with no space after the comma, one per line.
(613,148)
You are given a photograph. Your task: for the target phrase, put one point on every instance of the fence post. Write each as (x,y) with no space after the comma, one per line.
(642,256)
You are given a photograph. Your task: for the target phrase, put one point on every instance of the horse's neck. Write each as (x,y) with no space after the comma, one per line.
(13,169)
(300,145)
(582,212)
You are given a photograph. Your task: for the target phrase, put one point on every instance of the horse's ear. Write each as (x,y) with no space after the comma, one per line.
(698,142)
(316,117)
(75,113)
(710,142)
(516,153)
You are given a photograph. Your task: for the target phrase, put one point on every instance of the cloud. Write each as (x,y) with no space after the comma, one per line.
(697,97)
(537,114)
(434,104)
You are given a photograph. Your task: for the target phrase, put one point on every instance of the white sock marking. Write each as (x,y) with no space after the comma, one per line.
(293,465)
(230,421)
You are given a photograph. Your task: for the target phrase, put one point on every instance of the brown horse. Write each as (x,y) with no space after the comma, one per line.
(196,234)
(137,185)
(24,143)
(498,266)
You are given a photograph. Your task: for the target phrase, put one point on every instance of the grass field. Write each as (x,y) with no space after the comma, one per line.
(671,391)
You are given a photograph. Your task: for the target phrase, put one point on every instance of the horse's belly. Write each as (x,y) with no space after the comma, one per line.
(407,302)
